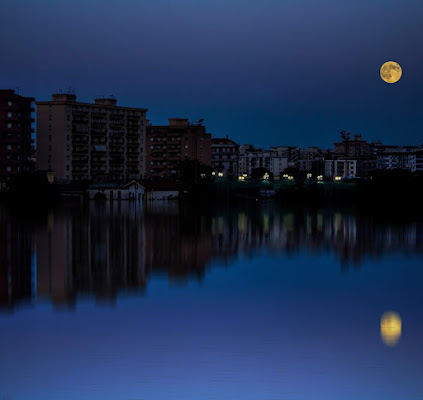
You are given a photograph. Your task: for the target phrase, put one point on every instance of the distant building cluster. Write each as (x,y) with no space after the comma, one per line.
(105,142)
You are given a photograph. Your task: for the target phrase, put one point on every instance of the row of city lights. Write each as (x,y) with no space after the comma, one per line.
(266,176)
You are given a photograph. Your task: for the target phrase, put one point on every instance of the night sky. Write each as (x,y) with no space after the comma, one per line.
(270,72)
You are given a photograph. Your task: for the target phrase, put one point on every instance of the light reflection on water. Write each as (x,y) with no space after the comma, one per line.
(248,303)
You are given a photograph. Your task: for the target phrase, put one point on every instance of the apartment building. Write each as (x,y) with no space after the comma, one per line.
(16,144)
(402,159)
(276,160)
(96,142)
(225,156)
(169,144)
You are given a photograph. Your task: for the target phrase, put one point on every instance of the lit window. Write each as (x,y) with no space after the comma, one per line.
(9,115)
(9,147)
(9,103)
(9,168)
(9,125)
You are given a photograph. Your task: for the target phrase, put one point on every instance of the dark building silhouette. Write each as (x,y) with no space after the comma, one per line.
(166,145)
(225,154)
(16,144)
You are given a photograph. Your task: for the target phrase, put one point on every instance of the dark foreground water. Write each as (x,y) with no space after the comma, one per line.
(118,302)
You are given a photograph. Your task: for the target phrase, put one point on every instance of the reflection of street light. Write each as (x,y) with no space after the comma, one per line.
(220,174)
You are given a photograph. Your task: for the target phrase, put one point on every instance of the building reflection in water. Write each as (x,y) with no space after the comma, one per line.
(101,249)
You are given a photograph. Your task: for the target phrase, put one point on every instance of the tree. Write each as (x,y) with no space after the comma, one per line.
(193,171)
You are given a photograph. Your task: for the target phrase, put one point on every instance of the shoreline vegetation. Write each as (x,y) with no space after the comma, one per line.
(394,192)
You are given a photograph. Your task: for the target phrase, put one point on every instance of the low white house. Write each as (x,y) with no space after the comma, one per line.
(160,190)
(111,192)
(134,190)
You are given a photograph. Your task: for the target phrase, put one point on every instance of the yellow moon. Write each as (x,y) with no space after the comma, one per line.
(391,72)
(390,328)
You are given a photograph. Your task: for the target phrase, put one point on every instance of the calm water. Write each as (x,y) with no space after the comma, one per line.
(117,302)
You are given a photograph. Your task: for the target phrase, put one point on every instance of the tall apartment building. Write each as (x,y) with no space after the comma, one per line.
(15,134)
(356,158)
(166,145)
(85,141)
(225,156)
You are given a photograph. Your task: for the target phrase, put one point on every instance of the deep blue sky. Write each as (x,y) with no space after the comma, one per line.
(269,72)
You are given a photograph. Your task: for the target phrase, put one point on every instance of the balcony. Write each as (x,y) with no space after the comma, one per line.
(80,149)
(80,140)
(82,169)
(98,123)
(79,159)
(98,161)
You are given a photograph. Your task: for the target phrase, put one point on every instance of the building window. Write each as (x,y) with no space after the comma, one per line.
(186,146)
(49,138)
(9,125)
(49,147)
(67,167)
(68,128)
(68,116)
(9,103)
(49,107)
(9,147)
(49,127)
(9,168)
(67,137)
(9,115)
(49,117)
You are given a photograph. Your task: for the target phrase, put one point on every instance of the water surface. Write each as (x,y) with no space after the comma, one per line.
(122,302)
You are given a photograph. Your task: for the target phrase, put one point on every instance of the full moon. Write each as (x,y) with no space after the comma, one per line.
(390,328)
(391,72)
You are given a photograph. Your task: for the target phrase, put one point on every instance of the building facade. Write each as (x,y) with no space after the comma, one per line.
(16,144)
(169,144)
(225,156)
(407,160)
(95,142)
